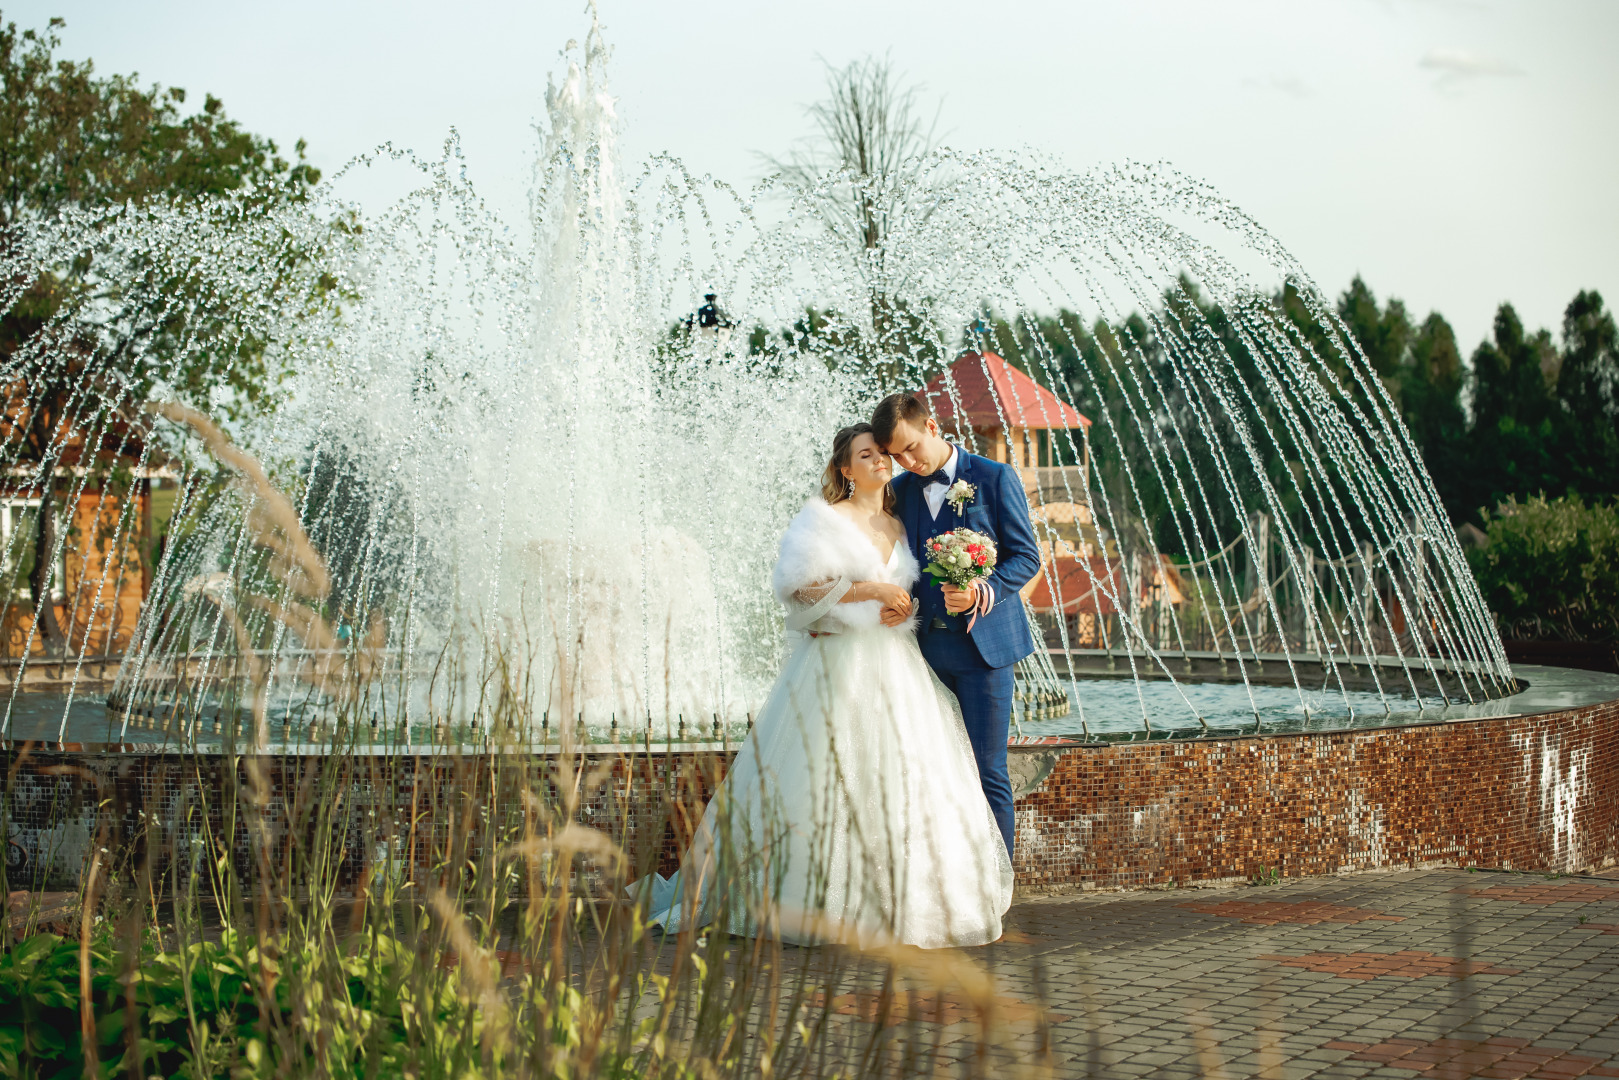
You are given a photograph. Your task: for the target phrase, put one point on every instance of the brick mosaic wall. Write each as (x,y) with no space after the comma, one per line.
(1527,793)
(154,812)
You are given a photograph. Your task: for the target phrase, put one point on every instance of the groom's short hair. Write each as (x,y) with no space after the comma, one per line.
(892,411)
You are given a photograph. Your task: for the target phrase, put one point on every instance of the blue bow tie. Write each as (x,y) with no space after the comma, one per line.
(940,477)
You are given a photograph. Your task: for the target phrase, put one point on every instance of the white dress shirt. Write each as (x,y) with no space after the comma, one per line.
(934,493)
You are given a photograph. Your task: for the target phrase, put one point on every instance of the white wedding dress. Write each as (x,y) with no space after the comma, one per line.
(854,810)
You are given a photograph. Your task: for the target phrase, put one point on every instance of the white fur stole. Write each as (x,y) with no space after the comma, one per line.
(821,545)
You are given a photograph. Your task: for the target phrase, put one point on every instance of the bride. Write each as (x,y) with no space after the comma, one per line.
(853,812)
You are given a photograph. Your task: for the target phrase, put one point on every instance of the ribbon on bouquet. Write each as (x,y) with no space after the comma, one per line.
(982,599)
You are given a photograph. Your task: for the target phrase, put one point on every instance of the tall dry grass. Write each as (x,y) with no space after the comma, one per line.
(450,911)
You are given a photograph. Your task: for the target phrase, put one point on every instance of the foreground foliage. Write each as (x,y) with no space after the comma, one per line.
(226,1007)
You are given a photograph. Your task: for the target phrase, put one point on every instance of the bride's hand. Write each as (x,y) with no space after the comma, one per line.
(893,616)
(889,596)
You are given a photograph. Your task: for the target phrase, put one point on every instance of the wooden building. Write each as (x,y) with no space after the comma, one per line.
(102,550)
(989,406)
(995,410)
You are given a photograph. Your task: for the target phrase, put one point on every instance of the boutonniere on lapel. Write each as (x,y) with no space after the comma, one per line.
(960,494)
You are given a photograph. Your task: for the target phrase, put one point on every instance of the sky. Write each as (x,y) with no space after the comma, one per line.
(1455,153)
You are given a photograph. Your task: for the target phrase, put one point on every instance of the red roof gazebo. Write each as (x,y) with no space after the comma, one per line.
(992,408)
(1004,414)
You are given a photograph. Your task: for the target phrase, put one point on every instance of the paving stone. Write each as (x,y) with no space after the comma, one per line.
(1389,1024)
(1267,981)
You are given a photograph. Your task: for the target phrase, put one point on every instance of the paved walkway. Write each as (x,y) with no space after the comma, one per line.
(1439,973)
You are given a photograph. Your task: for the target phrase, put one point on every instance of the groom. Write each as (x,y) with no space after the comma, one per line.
(975,664)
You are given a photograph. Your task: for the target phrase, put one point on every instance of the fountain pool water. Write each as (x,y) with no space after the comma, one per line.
(1112,708)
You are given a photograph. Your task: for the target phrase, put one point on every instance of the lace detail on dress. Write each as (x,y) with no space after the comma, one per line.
(814,594)
(813,601)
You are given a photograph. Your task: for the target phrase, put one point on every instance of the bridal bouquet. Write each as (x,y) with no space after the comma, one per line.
(960,557)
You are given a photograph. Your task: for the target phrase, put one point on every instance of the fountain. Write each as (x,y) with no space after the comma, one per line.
(516,495)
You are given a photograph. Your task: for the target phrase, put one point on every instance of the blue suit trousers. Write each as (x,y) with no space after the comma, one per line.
(985,694)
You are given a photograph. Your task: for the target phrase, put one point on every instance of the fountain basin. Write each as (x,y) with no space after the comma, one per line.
(1524,782)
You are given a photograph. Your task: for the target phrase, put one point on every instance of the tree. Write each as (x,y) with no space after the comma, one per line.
(1588,389)
(1515,443)
(865,173)
(84,340)
(1384,334)
(1514,373)
(1544,418)
(1421,367)
(1431,404)
(71,138)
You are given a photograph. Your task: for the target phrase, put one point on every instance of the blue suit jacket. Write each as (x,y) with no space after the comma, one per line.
(1000,511)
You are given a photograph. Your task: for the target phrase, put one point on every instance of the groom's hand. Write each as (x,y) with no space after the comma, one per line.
(957,600)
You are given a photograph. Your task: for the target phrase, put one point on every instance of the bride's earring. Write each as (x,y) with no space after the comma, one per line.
(851,489)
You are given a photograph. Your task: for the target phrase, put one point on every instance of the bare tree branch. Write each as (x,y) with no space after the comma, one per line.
(867,173)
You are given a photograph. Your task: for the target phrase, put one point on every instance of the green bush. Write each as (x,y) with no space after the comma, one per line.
(221,1009)
(1551,569)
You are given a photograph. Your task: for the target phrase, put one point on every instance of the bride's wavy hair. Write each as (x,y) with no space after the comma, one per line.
(834,485)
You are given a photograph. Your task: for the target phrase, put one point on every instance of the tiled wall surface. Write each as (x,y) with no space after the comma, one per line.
(1529,793)
(152,812)
(1526,793)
